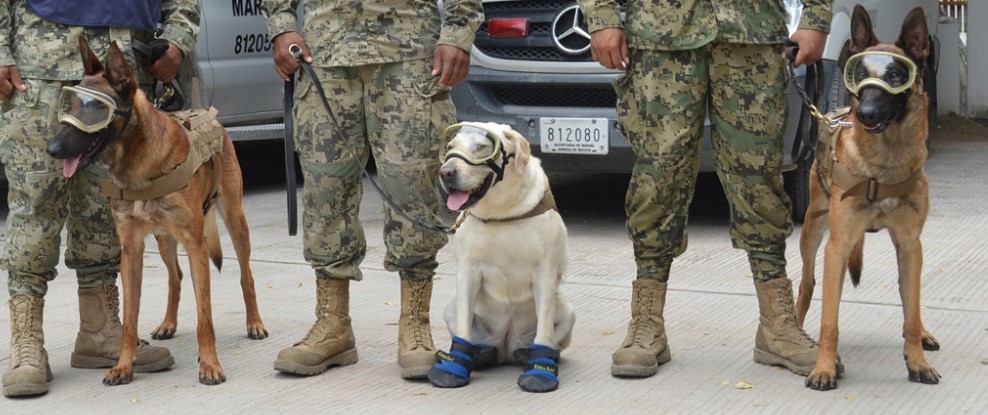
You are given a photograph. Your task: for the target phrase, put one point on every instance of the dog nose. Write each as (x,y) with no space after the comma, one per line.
(447,173)
(868,113)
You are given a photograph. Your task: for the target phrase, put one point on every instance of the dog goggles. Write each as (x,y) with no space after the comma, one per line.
(890,72)
(87,109)
(479,156)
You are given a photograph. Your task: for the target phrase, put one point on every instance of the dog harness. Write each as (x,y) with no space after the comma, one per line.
(854,184)
(205,143)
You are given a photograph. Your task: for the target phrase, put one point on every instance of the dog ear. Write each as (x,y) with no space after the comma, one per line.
(90,62)
(914,38)
(118,72)
(523,151)
(862,35)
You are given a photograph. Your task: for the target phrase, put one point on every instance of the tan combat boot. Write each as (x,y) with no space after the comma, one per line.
(330,341)
(98,343)
(28,372)
(416,353)
(645,347)
(780,341)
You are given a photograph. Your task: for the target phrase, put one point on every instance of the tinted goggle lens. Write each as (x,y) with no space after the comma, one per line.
(479,154)
(891,72)
(86,109)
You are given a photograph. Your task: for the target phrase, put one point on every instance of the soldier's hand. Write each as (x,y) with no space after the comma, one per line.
(609,47)
(10,80)
(166,67)
(451,64)
(284,63)
(811,43)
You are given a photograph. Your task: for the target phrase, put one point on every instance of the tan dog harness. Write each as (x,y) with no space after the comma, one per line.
(206,142)
(854,185)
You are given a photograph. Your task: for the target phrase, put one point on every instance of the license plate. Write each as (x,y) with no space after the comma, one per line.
(574,136)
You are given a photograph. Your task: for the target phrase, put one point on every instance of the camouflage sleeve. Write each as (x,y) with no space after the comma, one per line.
(817,15)
(181,23)
(280,16)
(6,31)
(463,17)
(601,14)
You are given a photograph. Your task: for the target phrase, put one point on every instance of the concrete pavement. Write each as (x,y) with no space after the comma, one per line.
(711,317)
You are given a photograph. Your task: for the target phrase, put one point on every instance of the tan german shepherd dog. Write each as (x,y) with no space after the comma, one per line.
(139,145)
(869,178)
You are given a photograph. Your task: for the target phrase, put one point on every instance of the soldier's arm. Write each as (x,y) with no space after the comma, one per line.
(608,44)
(811,36)
(181,29)
(451,59)
(10,79)
(281,23)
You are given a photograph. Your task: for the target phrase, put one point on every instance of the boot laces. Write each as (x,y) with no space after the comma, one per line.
(321,327)
(789,316)
(415,309)
(26,346)
(643,327)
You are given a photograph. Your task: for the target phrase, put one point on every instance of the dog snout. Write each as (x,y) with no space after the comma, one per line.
(447,173)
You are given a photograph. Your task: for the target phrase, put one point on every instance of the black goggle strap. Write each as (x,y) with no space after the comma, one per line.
(491,160)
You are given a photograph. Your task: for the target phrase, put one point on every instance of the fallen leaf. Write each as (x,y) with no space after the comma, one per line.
(135,400)
(743,385)
(389,303)
(725,382)
(849,398)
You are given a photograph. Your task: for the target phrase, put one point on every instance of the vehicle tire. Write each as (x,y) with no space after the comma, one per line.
(837,94)
(797,186)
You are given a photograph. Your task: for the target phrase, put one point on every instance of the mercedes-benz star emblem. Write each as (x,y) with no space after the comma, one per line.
(569,31)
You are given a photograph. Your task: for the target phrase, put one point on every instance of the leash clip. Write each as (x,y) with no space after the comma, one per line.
(296,51)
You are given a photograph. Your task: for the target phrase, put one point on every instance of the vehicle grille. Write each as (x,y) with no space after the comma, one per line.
(538,46)
(602,96)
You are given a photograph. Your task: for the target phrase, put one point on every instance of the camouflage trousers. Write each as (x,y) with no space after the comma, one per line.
(394,111)
(662,104)
(42,201)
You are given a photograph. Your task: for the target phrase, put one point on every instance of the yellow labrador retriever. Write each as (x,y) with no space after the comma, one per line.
(511,254)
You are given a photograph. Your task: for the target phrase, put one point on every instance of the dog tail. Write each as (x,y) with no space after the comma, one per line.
(855,262)
(213,239)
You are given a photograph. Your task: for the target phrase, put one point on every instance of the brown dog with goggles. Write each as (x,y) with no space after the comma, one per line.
(162,182)
(868,175)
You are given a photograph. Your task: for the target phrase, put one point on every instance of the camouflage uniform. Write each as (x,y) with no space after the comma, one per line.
(41,201)
(374,60)
(681,53)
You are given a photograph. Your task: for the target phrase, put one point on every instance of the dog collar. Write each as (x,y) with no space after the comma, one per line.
(547,203)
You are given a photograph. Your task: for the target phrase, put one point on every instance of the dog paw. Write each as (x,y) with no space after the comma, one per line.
(441,377)
(927,375)
(211,374)
(164,331)
(930,343)
(822,380)
(256,331)
(541,372)
(118,376)
(453,369)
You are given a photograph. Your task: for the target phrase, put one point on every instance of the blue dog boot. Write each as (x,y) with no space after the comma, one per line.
(541,374)
(453,369)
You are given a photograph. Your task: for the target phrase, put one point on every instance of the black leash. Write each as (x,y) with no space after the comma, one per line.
(171,99)
(807,128)
(296,52)
(290,183)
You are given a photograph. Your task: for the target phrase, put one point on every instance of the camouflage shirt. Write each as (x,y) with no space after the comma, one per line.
(45,50)
(689,24)
(360,32)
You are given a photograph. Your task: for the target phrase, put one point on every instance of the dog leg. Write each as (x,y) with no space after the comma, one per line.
(210,372)
(846,226)
(542,371)
(909,252)
(168,250)
(453,369)
(232,211)
(131,268)
(814,227)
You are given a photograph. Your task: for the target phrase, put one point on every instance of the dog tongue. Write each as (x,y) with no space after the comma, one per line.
(69,166)
(456,200)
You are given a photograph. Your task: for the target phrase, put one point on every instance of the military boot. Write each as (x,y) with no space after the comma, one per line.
(28,372)
(98,343)
(330,341)
(416,352)
(780,341)
(645,347)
